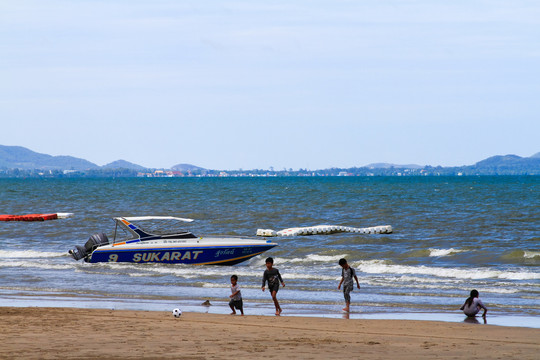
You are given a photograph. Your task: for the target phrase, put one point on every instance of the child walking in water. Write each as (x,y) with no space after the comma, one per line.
(273,277)
(347,275)
(473,304)
(236,296)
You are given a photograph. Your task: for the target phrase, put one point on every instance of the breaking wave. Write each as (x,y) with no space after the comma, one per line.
(382,267)
(443,252)
(27,254)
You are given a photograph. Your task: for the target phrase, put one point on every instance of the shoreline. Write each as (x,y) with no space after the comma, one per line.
(266,309)
(42,332)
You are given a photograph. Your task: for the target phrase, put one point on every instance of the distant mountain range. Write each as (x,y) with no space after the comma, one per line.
(186,167)
(23,159)
(388,166)
(123,164)
(18,157)
(498,162)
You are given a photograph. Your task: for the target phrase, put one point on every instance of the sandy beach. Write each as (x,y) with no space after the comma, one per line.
(52,333)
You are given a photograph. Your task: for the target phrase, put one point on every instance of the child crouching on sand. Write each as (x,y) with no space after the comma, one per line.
(236,296)
(473,304)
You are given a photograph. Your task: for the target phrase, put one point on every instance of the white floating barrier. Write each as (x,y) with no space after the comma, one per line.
(64,215)
(324,229)
(266,232)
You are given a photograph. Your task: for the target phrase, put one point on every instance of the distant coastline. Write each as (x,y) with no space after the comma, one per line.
(20,162)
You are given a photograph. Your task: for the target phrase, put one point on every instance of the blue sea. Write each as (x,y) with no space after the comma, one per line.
(451,235)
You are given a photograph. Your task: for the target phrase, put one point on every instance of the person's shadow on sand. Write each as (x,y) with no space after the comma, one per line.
(474,320)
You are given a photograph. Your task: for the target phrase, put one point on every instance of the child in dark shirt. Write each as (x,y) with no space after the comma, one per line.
(273,277)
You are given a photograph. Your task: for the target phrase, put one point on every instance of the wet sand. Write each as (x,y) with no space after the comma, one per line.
(52,333)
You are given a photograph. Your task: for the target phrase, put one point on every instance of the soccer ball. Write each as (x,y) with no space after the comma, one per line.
(177,313)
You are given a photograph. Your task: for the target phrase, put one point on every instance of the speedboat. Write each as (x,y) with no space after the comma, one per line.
(143,239)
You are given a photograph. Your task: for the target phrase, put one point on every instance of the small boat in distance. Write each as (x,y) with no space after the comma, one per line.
(153,244)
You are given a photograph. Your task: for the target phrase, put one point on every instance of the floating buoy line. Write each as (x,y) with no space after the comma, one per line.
(324,229)
(35,217)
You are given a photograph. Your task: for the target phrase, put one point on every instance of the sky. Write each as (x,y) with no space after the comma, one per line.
(283,84)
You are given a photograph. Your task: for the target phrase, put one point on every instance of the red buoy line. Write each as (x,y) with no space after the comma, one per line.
(34,217)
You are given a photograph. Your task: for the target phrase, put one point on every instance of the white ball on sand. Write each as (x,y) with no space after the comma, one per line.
(177,313)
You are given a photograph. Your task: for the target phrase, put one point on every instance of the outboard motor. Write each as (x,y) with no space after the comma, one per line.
(95,241)
(78,252)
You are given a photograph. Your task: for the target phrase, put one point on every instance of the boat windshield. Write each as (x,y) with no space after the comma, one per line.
(161,226)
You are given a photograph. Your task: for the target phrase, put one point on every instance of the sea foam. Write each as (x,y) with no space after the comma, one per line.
(443,252)
(382,267)
(318,258)
(21,254)
(531,254)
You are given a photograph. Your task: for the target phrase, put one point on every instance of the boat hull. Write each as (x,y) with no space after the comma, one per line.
(192,255)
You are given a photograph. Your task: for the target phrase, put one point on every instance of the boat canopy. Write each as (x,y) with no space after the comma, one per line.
(149,227)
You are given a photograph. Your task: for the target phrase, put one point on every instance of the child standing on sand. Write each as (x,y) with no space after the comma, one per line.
(347,276)
(236,296)
(273,277)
